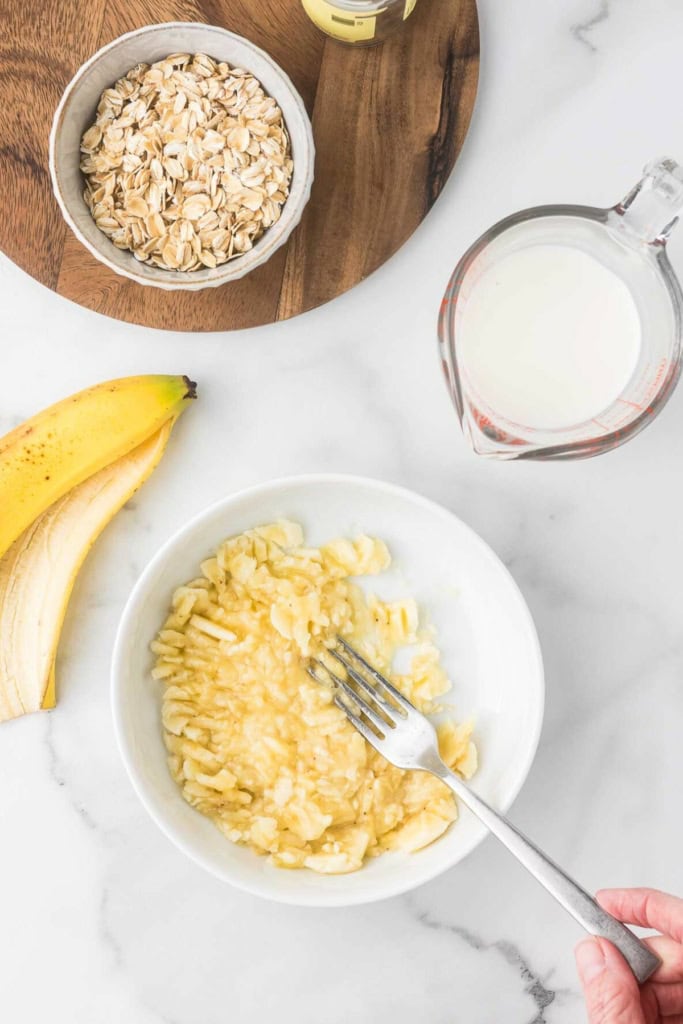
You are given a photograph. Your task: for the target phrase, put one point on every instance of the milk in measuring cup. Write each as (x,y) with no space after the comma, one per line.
(549,337)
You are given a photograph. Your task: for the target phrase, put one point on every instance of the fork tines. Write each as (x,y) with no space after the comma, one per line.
(365,696)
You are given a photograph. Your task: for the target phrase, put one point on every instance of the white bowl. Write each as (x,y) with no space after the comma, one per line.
(485,632)
(76,111)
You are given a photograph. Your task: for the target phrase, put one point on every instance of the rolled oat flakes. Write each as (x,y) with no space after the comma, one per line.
(188,162)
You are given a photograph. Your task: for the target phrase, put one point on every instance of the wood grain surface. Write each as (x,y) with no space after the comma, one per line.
(389,122)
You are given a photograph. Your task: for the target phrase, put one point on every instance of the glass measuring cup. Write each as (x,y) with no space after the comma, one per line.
(629,239)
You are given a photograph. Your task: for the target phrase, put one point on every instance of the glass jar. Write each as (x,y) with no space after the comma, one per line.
(359,22)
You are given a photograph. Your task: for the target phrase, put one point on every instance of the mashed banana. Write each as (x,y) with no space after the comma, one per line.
(256,744)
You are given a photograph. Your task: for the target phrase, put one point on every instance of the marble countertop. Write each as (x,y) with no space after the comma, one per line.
(102,919)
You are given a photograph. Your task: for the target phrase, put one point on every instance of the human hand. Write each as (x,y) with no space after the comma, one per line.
(612,993)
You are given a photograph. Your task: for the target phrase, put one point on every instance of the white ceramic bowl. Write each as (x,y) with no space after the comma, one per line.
(485,632)
(76,111)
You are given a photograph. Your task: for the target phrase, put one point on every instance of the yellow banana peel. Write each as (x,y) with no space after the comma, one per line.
(38,572)
(54,451)
(64,475)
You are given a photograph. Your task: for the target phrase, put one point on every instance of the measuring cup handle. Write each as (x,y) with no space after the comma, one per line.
(651,209)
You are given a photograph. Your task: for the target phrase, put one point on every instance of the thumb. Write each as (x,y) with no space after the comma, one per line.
(611,992)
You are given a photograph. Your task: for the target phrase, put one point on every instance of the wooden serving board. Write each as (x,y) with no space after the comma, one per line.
(389,122)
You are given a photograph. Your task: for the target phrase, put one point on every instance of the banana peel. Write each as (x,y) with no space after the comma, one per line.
(38,571)
(44,458)
(50,698)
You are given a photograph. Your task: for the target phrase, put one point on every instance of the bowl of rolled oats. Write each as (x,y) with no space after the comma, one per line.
(181,156)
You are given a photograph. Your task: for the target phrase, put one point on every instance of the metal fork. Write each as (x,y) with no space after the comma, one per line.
(401,734)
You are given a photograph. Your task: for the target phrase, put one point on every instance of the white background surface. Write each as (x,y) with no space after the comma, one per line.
(102,920)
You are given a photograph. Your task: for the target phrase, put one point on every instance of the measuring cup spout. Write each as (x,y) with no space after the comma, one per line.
(651,209)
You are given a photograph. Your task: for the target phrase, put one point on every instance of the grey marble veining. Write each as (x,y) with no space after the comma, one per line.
(582,30)
(535,987)
(123,927)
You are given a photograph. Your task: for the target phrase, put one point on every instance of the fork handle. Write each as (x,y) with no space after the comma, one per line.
(642,961)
